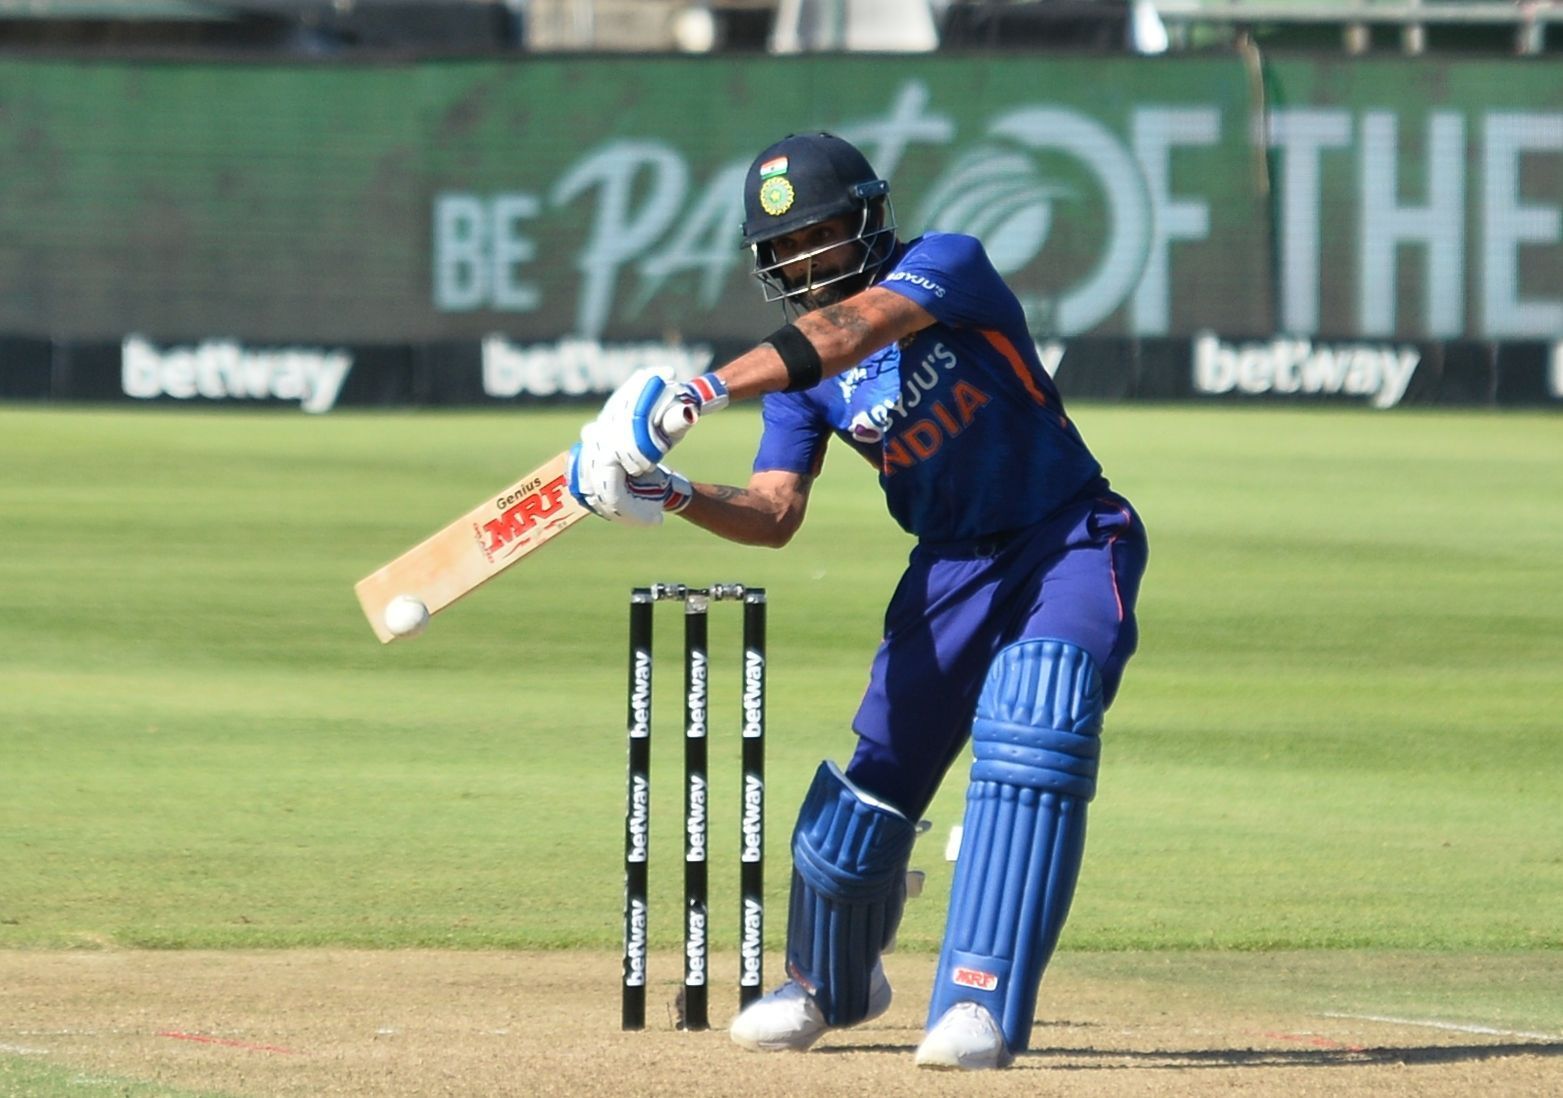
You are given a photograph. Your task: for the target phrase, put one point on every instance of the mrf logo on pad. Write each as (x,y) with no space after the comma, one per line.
(973,977)
(520,511)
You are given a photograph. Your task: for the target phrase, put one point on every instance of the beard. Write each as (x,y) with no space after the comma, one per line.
(863,259)
(834,293)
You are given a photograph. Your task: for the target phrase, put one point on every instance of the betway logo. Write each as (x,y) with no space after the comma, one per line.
(577,366)
(225,370)
(635,945)
(695,821)
(695,700)
(640,696)
(1301,366)
(754,694)
(751,949)
(640,819)
(753,820)
(695,948)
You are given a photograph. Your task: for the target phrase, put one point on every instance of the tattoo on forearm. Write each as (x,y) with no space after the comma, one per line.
(846,318)
(728,492)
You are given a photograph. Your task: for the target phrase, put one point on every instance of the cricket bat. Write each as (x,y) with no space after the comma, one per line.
(506,527)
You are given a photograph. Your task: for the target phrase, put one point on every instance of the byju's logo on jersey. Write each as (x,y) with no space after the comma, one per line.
(918,280)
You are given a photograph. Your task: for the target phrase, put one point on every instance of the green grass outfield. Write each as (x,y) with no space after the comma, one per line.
(1343,728)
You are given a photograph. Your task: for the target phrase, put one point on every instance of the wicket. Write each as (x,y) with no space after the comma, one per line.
(637,817)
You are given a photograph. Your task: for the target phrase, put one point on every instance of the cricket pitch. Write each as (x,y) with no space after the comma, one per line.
(421,1023)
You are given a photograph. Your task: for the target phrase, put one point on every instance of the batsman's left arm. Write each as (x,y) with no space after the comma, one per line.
(766,513)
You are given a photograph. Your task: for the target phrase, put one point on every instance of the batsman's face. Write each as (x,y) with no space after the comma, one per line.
(818,254)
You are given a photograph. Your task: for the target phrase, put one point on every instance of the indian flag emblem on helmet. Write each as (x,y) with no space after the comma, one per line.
(777,165)
(776,196)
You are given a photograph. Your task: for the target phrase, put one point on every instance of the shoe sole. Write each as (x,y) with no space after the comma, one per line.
(778,1046)
(931,1064)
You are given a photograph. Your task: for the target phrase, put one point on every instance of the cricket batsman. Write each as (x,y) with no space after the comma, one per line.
(1011,624)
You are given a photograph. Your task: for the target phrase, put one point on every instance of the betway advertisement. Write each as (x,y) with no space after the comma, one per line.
(1301,225)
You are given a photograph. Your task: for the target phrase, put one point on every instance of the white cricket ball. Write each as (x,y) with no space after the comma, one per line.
(406,616)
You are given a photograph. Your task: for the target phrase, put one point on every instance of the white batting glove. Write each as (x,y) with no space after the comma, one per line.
(603,488)
(671,491)
(648,414)
(599,483)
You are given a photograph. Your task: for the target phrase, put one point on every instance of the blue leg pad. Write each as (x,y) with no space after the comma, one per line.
(1036,744)
(849,855)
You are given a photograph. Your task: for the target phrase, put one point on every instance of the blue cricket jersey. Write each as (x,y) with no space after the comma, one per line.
(965,426)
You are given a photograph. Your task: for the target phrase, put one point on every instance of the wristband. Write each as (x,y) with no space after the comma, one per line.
(708,391)
(804,367)
(680,492)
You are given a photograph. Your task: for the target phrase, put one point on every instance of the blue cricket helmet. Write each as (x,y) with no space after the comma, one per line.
(802,180)
(805,179)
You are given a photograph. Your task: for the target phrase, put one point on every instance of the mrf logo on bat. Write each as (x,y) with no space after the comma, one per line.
(519,512)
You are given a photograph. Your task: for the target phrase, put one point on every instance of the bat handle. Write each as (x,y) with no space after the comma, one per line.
(678,419)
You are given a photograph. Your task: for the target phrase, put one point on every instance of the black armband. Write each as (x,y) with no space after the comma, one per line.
(798,355)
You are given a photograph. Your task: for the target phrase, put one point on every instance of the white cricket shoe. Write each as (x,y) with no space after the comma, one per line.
(967,1038)
(787,1020)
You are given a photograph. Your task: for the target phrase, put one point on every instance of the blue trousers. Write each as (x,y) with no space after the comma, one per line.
(1074,577)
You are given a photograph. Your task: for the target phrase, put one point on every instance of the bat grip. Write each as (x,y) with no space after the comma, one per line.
(678,419)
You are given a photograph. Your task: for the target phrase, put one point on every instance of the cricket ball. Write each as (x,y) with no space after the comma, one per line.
(406,616)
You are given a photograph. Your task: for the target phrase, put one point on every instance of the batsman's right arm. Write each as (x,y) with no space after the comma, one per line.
(842,335)
(766,513)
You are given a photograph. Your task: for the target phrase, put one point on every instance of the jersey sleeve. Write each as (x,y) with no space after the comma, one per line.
(793,435)
(950,275)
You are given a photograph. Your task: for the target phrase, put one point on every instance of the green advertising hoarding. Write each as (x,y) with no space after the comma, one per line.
(1418,198)
(601,198)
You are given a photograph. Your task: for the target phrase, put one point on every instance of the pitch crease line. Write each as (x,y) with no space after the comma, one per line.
(203,1039)
(1457,1027)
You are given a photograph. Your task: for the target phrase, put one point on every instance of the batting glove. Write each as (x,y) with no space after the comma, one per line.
(671,491)
(648,414)
(600,484)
